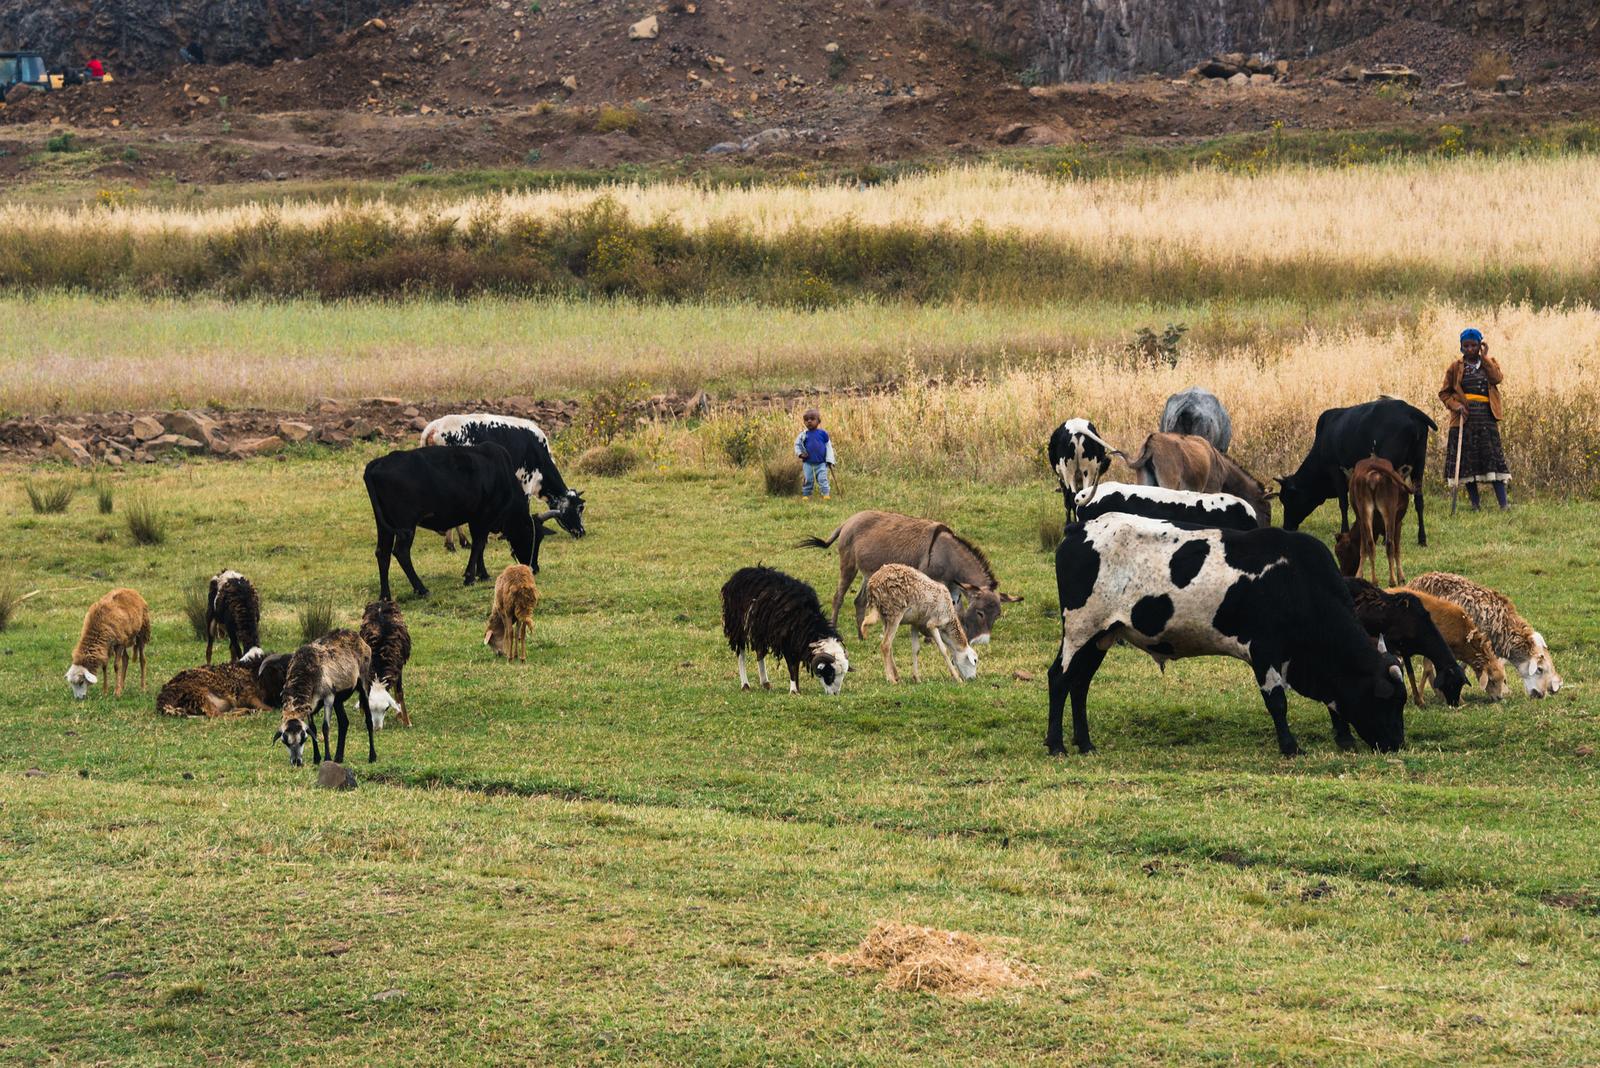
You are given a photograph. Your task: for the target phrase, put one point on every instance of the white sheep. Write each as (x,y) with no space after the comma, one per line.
(899,594)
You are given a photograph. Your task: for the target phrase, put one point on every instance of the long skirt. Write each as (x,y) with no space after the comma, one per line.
(1485,459)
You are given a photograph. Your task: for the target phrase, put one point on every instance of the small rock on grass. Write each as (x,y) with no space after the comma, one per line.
(392,994)
(333,776)
(34,773)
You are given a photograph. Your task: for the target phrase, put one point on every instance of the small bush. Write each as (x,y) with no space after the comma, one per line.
(1050,523)
(62,142)
(146,523)
(740,441)
(611,119)
(1151,349)
(606,414)
(316,618)
(1487,67)
(10,599)
(782,477)
(131,155)
(194,606)
(532,156)
(607,461)
(49,499)
(103,499)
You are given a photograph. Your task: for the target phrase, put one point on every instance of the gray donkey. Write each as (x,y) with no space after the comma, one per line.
(868,540)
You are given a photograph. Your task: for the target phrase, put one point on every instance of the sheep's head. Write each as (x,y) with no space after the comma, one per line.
(494,636)
(80,679)
(829,664)
(1538,672)
(379,702)
(293,734)
(966,661)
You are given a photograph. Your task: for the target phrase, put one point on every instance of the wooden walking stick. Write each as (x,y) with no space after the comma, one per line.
(1461,450)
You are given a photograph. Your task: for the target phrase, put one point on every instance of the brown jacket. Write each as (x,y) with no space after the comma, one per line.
(1455,398)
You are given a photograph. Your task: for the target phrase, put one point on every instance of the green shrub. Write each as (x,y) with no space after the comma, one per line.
(146,523)
(65,141)
(103,498)
(740,441)
(49,499)
(611,119)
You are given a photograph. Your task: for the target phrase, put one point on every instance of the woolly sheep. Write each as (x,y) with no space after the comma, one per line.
(115,624)
(1508,633)
(899,594)
(511,615)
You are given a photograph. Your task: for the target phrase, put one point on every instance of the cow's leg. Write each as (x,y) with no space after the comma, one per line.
(211,637)
(1275,692)
(890,625)
(1397,574)
(1072,681)
(744,677)
(402,552)
(761,672)
(1341,729)
(1422,529)
(139,649)
(480,539)
(1344,500)
(384,551)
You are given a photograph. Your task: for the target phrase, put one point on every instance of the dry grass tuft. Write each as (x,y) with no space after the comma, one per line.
(316,618)
(10,598)
(607,461)
(50,498)
(781,477)
(1487,67)
(147,524)
(926,958)
(194,606)
(1049,522)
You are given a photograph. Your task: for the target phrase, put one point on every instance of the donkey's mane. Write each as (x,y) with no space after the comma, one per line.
(983,561)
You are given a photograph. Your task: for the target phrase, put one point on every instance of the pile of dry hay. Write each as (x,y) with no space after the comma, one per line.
(926,958)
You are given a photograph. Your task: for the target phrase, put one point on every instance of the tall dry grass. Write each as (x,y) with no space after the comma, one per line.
(993,426)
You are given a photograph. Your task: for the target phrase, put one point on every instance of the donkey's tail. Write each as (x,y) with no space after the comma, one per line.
(814,542)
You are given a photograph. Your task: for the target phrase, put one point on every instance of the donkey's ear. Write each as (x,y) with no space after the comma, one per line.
(1009,598)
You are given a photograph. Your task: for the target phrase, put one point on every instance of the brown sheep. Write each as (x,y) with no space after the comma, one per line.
(511,616)
(899,594)
(239,687)
(115,624)
(1465,641)
(383,628)
(1508,633)
(323,674)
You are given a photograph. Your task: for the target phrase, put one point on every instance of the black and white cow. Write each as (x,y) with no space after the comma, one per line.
(1268,597)
(529,450)
(1080,457)
(440,488)
(1221,510)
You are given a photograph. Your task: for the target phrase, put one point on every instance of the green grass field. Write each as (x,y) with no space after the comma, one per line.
(610,854)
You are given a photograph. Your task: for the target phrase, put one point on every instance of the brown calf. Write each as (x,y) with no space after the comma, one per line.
(1379,495)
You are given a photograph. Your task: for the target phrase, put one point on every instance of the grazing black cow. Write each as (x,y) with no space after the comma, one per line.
(1267,597)
(440,487)
(1402,622)
(1221,510)
(1080,457)
(1387,428)
(1198,411)
(529,449)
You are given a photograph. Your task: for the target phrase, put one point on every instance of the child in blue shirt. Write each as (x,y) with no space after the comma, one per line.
(816,455)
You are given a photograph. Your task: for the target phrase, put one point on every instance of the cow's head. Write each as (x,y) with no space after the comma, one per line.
(982,609)
(827,661)
(80,679)
(1298,501)
(518,526)
(1373,702)
(569,513)
(1538,672)
(293,733)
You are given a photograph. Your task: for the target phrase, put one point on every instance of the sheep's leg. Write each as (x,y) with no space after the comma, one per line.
(949,661)
(891,624)
(1416,691)
(916,654)
(211,636)
(344,725)
(761,672)
(142,686)
(794,676)
(744,677)
(327,704)
(522,639)
(366,711)
(400,699)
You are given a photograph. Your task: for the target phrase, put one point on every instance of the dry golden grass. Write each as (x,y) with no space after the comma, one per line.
(1534,212)
(915,958)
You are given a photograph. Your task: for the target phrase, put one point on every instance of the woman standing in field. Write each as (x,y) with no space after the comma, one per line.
(1472,393)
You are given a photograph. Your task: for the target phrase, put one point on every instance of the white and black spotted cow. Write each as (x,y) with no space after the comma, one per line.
(1221,510)
(1080,457)
(529,448)
(1269,597)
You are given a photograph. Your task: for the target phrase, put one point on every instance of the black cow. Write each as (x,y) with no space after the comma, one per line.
(1267,597)
(440,487)
(1407,630)
(1387,428)
(529,449)
(1221,510)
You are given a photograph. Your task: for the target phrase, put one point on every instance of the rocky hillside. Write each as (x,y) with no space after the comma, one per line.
(1095,40)
(146,34)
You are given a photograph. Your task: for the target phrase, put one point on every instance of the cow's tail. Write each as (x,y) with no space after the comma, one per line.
(384,526)
(814,542)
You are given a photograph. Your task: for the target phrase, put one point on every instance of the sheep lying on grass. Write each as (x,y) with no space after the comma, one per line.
(899,594)
(383,628)
(233,607)
(511,616)
(243,686)
(115,624)
(1508,633)
(323,674)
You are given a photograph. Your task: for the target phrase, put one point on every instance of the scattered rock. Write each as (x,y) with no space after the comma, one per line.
(362,430)
(71,450)
(1397,73)
(723,148)
(289,430)
(1508,83)
(646,29)
(831,47)
(1239,79)
(167,444)
(331,776)
(146,428)
(1022,676)
(192,424)
(418,423)
(329,436)
(259,446)
(570,83)
(1261,79)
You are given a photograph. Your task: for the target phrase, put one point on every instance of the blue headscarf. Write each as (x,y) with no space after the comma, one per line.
(1472,333)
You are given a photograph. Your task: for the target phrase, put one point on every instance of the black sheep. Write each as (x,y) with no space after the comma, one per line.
(383,628)
(767,612)
(232,606)
(1407,630)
